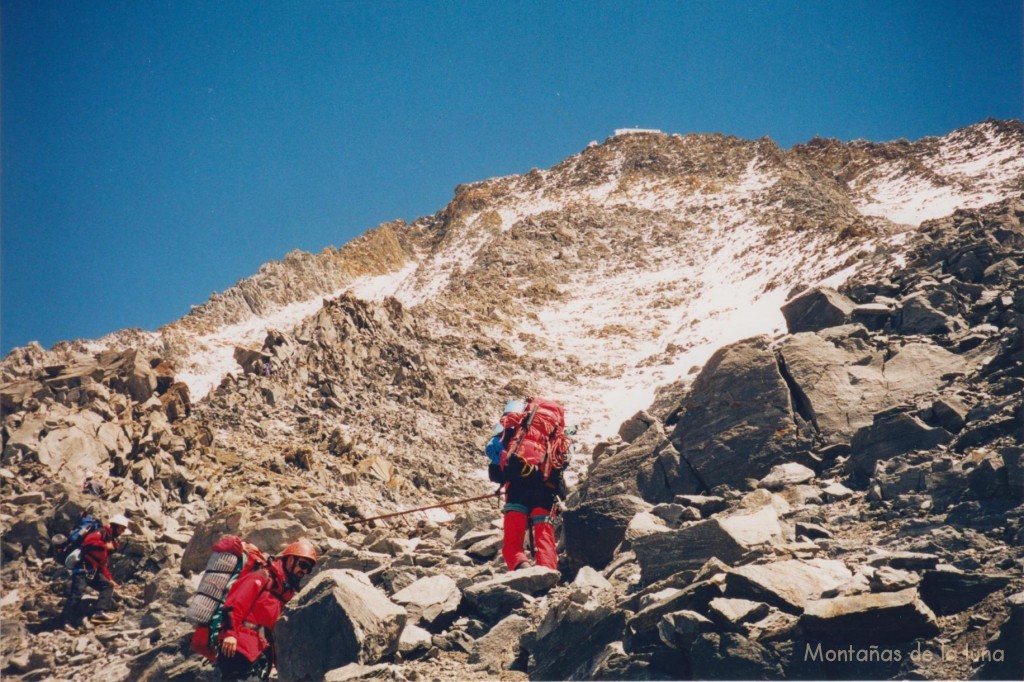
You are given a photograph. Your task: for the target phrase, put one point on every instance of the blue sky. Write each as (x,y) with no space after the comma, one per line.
(153,152)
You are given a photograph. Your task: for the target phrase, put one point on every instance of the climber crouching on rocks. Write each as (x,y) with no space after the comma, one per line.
(252,608)
(92,571)
(528,453)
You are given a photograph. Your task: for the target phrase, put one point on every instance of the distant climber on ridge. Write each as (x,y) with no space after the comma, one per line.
(91,570)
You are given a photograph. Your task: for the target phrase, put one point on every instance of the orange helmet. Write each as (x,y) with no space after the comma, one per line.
(301,548)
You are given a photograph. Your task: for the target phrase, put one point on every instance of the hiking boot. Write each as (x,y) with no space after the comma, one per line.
(103,618)
(525,563)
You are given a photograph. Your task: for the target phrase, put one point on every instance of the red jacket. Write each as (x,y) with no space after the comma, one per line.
(95,553)
(255,601)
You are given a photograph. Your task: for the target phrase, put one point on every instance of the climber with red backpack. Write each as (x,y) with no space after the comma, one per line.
(244,622)
(529,451)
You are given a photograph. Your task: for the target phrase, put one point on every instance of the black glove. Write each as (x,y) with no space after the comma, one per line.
(495,473)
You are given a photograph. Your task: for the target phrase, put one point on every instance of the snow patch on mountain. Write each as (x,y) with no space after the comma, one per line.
(212,357)
(963,171)
(619,326)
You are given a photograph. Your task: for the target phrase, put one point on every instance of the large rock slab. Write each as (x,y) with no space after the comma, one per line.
(882,618)
(842,385)
(616,474)
(736,422)
(952,591)
(731,613)
(340,618)
(790,585)
(642,628)
(636,426)
(816,308)
(731,656)
(784,475)
(71,453)
(574,632)
(499,648)
(888,436)
(679,629)
(728,539)
(273,535)
(493,599)
(666,475)
(593,529)
(532,581)
(920,316)
(434,600)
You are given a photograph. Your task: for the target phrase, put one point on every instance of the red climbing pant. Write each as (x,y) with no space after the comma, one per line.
(545,551)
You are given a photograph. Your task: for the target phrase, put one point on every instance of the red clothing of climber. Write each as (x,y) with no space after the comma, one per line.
(253,606)
(529,501)
(529,450)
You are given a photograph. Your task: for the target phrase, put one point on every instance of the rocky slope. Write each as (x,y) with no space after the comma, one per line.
(801,465)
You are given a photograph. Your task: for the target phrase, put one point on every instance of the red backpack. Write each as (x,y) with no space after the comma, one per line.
(537,436)
(232,558)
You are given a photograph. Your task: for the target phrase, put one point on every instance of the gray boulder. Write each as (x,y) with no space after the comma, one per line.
(433,600)
(616,474)
(340,618)
(841,387)
(788,474)
(679,629)
(494,599)
(736,421)
(705,504)
(574,631)
(666,475)
(414,641)
(789,585)
(873,316)
(919,316)
(496,602)
(729,539)
(72,452)
(595,528)
(949,413)
(635,426)
(881,618)
(731,656)
(533,581)
(499,648)
(891,435)
(816,308)
(951,591)
(643,629)
(731,613)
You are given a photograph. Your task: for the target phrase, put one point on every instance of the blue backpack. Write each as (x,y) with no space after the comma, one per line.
(85,525)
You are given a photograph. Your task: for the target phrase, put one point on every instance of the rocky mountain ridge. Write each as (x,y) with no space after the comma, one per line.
(708,536)
(697,200)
